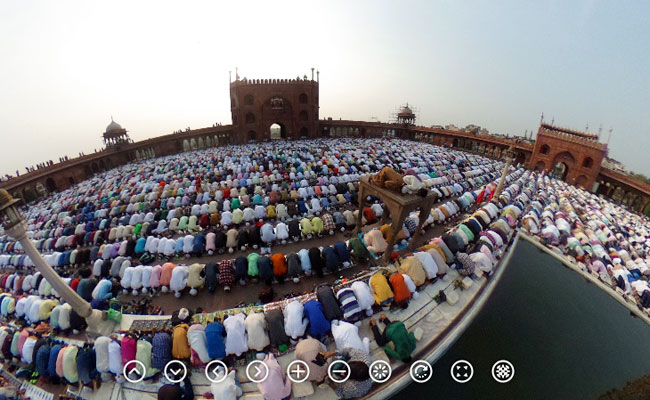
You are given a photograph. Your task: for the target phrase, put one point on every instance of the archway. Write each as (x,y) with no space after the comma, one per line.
(540,166)
(277,131)
(95,168)
(636,203)
(455,142)
(50,185)
(545,149)
(521,158)
(560,171)
(646,209)
(562,163)
(29,194)
(87,171)
(252,136)
(304,132)
(618,194)
(40,190)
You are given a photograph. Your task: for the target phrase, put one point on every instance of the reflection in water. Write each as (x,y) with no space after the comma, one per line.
(566,338)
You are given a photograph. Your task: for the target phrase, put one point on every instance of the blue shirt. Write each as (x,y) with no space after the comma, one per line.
(214,335)
(86,363)
(318,324)
(342,251)
(161,350)
(51,362)
(41,360)
(139,246)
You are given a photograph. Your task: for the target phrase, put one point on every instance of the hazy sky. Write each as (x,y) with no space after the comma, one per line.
(67,66)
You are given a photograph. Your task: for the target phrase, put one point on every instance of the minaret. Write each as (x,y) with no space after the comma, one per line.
(609,136)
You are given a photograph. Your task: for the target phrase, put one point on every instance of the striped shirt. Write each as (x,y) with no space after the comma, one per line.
(349,305)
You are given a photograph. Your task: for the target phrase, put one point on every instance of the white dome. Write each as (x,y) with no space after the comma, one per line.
(113,126)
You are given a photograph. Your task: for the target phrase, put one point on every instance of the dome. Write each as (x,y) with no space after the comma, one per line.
(113,126)
(406,110)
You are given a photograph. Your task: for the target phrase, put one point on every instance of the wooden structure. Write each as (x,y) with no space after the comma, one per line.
(398,206)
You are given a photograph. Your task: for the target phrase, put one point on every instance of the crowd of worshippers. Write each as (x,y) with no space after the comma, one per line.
(108,277)
(304,324)
(603,238)
(223,199)
(191,204)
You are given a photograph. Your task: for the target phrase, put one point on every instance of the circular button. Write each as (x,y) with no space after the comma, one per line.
(503,371)
(213,371)
(174,369)
(298,371)
(462,371)
(421,371)
(257,371)
(339,371)
(380,371)
(134,367)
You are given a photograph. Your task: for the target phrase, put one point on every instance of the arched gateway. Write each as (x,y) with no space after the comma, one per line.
(257,104)
(572,156)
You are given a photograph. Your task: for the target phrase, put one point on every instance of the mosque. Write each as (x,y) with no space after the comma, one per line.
(172,231)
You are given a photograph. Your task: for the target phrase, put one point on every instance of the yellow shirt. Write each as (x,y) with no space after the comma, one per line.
(413,268)
(379,285)
(180,345)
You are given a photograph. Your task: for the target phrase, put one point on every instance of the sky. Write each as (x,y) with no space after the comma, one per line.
(157,66)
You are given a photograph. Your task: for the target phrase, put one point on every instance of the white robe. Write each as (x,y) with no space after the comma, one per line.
(295,322)
(236,338)
(178,281)
(364,296)
(258,338)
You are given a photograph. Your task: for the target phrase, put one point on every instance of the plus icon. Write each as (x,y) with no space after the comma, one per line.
(298,371)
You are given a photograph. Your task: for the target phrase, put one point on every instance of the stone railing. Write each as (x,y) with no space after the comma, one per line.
(243,82)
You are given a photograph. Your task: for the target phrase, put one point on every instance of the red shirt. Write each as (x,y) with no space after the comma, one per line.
(400,290)
(226,273)
(279,264)
(370,215)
